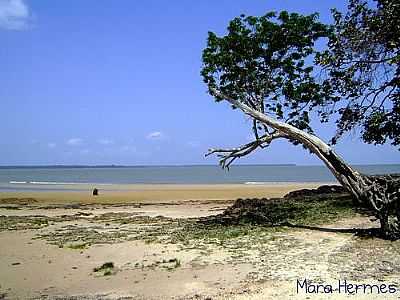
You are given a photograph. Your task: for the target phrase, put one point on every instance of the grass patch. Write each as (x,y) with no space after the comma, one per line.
(20,201)
(78,246)
(308,210)
(259,219)
(76,235)
(32,222)
(312,212)
(247,224)
(23,222)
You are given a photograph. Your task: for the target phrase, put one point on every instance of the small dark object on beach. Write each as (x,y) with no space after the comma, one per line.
(95,192)
(104,267)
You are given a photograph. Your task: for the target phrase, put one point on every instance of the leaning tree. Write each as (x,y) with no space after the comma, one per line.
(268,68)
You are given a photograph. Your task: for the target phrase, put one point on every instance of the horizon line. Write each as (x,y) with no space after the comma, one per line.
(167,165)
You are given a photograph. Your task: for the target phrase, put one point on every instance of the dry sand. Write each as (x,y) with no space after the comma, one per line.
(54,256)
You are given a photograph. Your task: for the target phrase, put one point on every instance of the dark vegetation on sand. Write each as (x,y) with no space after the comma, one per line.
(303,208)
(306,206)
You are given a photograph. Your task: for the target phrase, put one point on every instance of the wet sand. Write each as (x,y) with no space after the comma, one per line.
(149,193)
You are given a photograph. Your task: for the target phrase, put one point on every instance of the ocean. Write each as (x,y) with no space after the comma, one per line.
(48,178)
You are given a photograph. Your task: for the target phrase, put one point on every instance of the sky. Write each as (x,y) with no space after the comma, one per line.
(118,82)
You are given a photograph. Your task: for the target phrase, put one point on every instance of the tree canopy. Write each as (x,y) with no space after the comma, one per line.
(362,64)
(272,64)
(267,62)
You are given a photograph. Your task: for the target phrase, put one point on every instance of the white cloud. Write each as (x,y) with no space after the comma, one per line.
(14,14)
(155,135)
(74,141)
(51,145)
(105,142)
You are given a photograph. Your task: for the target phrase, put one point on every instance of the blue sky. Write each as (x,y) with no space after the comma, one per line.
(118,82)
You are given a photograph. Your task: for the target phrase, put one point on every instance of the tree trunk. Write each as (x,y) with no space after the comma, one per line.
(380,193)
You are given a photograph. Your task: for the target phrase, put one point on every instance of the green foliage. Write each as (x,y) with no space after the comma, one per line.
(266,62)
(271,64)
(77,246)
(244,218)
(362,65)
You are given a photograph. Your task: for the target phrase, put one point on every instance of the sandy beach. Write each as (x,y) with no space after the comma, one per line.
(151,193)
(144,242)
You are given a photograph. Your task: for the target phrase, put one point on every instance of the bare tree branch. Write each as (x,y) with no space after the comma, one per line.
(228,156)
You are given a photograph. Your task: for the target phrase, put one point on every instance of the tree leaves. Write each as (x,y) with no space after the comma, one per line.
(266,62)
(271,64)
(362,65)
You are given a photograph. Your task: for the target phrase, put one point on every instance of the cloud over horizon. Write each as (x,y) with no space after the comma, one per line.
(14,15)
(105,142)
(74,142)
(155,135)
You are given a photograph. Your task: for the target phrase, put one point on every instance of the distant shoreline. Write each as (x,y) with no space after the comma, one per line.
(172,166)
(133,166)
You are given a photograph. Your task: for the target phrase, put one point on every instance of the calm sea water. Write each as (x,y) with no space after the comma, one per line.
(49,178)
